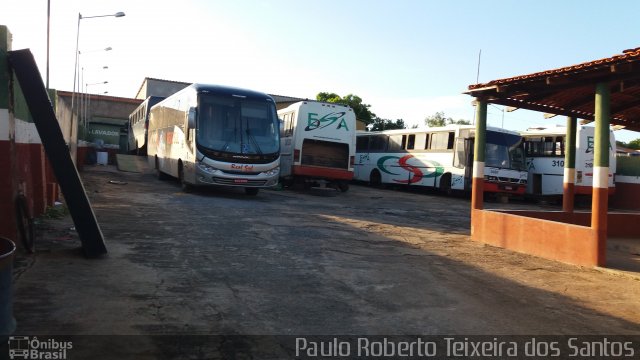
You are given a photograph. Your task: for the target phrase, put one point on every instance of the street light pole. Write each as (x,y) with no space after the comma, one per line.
(73,145)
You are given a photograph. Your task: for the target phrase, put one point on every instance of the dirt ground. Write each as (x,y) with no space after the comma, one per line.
(368,261)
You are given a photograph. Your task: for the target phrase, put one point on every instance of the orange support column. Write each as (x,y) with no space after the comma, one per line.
(477,189)
(599,204)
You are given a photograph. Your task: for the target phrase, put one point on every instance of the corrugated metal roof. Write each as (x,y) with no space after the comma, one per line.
(570,90)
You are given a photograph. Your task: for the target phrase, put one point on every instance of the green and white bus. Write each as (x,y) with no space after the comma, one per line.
(216,135)
(441,158)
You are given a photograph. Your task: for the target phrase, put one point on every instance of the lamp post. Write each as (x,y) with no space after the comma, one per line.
(73,144)
(87,106)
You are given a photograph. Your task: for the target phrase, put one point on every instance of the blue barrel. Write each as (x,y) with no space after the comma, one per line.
(7,321)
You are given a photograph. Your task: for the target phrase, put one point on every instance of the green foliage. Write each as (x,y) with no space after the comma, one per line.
(386,124)
(56,212)
(634,144)
(439,119)
(628,165)
(360,109)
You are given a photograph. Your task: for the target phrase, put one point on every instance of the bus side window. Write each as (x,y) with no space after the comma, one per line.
(459,154)
(362,143)
(411,141)
(440,141)
(378,143)
(548,146)
(450,141)
(292,121)
(426,141)
(395,143)
(560,145)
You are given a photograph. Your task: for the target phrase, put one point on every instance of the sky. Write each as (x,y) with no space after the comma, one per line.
(408,59)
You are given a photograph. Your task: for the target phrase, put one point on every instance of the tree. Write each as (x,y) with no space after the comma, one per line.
(634,144)
(386,124)
(360,109)
(439,119)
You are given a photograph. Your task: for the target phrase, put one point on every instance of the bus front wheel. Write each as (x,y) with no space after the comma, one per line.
(445,184)
(159,174)
(183,185)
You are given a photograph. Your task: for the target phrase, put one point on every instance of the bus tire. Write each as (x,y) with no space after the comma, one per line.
(159,174)
(375,179)
(445,184)
(251,191)
(183,185)
(343,185)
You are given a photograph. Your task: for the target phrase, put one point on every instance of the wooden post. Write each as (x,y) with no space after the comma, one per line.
(569,165)
(599,204)
(477,188)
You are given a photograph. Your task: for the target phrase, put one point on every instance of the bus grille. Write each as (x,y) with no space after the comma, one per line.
(239,182)
(511,180)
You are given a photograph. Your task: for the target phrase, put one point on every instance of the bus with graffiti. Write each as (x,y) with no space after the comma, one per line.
(545,149)
(441,158)
(216,135)
(317,143)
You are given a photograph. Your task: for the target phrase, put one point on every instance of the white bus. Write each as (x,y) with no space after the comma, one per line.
(317,142)
(139,125)
(215,135)
(545,150)
(442,158)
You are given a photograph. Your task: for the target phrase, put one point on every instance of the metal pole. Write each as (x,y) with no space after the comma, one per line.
(73,148)
(48,36)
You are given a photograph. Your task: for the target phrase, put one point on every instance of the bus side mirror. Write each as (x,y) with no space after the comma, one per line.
(191,118)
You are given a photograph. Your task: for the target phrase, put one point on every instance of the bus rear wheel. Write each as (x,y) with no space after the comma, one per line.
(375,179)
(343,185)
(183,185)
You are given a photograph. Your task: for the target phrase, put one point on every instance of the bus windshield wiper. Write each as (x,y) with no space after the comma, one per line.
(254,142)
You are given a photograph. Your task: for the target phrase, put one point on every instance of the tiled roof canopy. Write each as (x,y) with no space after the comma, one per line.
(570,90)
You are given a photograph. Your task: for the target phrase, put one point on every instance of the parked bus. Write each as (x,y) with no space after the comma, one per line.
(545,150)
(317,142)
(139,125)
(442,158)
(216,135)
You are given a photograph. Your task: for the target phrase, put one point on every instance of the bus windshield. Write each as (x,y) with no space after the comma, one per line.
(237,125)
(504,151)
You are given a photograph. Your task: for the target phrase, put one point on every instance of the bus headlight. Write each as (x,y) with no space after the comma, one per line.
(206,168)
(273,172)
(490,178)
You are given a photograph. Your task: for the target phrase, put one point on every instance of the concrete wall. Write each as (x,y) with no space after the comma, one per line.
(627,195)
(158,87)
(23,162)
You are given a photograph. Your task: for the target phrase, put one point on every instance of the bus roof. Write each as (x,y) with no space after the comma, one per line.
(307,101)
(451,127)
(223,90)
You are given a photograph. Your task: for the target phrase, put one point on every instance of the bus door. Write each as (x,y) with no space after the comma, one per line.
(468,162)
(286,143)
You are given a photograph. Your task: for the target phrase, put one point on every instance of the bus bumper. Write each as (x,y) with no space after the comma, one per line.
(319,172)
(219,177)
(507,188)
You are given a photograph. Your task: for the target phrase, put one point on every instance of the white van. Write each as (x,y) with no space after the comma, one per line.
(317,142)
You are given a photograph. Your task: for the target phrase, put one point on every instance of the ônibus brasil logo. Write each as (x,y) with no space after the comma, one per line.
(416,174)
(313,122)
